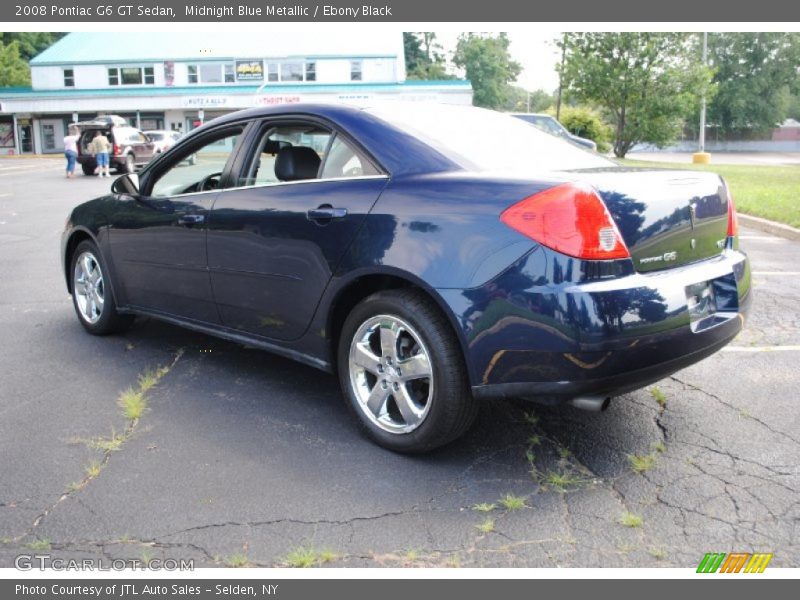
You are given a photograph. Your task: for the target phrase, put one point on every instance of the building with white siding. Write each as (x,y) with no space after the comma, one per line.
(178,80)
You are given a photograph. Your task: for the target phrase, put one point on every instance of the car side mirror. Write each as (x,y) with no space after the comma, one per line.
(127,184)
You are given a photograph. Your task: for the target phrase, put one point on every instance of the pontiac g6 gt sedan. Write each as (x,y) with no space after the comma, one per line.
(431,256)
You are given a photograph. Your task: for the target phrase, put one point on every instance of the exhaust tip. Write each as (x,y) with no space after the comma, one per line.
(591,403)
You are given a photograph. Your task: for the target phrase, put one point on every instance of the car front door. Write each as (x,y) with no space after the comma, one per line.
(158,240)
(275,239)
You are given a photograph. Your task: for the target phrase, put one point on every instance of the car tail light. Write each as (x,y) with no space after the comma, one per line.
(570,218)
(733,220)
(115,149)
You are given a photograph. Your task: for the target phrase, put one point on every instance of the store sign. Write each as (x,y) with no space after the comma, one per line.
(204,101)
(276,99)
(249,70)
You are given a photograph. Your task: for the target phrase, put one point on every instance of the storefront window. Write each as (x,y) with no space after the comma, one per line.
(69,78)
(311,71)
(355,70)
(192,71)
(292,71)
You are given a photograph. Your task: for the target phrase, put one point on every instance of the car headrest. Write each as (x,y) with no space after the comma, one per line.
(296,162)
(274,146)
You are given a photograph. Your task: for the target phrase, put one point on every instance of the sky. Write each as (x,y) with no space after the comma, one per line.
(534,50)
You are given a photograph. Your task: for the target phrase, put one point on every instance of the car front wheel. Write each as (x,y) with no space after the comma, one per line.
(402,372)
(92,297)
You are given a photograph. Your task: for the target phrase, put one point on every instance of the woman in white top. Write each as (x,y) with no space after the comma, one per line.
(71,151)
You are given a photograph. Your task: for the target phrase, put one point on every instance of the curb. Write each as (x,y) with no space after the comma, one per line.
(22,156)
(779,229)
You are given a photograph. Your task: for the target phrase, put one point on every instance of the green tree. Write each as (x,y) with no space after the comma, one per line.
(646,82)
(756,75)
(489,66)
(13,69)
(31,43)
(521,100)
(424,56)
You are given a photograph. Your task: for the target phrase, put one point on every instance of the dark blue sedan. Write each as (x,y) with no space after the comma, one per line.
(432,256)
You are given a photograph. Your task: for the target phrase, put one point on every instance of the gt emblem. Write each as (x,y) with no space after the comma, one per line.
(669,256)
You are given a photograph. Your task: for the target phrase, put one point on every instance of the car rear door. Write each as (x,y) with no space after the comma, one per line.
(275,240)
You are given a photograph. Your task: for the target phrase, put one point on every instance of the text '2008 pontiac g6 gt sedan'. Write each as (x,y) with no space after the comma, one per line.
(432,256)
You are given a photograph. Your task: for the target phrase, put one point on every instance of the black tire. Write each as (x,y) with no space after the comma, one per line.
(452,408)
(109,320)
(87,169)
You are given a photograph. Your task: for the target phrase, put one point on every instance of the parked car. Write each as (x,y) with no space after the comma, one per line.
(430,267)
(163,139)
(131,148)
(550,125)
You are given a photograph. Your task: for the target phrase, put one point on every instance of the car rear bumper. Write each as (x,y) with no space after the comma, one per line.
(602,337)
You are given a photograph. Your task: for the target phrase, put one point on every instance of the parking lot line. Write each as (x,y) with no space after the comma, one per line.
(776,273)
(787,348)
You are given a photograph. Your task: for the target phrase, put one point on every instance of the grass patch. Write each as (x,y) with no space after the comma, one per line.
(237,560)
(560,482)
(768,191)
(512,502)
(564,453)
(642,463)
(657,553)
(105,444)
(659,447)
(133,404)
(308,556)
(486,526)
(148,380)
(484,507)
(628,519)
(38,545)
(534,440)
(659,397)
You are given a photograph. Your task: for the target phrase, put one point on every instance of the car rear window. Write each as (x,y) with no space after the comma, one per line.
(485,140)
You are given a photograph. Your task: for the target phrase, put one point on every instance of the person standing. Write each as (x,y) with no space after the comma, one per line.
(100,149)
(71,150)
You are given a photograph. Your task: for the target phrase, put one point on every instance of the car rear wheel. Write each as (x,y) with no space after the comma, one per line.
(92,297)
(87,169)
(402,372)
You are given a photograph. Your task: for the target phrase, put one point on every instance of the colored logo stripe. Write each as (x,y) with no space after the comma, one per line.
(758,562)
(711,562)
(735,562)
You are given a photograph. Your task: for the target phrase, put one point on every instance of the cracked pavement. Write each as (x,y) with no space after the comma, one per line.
(244,454)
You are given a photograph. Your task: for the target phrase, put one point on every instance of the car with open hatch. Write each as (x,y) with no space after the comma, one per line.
(432,256)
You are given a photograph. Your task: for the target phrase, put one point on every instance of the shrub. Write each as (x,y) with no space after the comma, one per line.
(587,123)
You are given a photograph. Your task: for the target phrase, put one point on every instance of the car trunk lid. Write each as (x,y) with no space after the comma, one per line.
(667,218)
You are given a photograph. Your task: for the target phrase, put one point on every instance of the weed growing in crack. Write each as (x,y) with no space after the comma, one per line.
(642,463)
(133,404)
(308,556)
(484,507)
(628,519)
(532,418)
(659,447)
(39,545)
(560,482)
(659,396)
(513,502)
(534,440)
(237,560)
(93,469)
(453,561)
(486,526)
(657,553)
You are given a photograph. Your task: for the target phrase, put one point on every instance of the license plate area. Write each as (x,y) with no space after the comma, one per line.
(711,302)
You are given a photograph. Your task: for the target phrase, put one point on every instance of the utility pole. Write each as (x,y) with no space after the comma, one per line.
(701,156)
(560,75)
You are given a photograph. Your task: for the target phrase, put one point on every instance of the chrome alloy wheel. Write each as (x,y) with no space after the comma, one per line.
(391,374)
(88,287)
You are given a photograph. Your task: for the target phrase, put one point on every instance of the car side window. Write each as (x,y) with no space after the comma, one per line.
(343,160)
(197,169)
(286,153)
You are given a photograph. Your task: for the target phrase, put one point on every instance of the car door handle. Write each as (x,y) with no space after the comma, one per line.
(191,219)
(326,213)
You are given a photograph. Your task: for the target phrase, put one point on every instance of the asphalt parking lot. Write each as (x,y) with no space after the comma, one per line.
(244,458)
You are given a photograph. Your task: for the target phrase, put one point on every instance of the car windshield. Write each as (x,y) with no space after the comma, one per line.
(485,140)
(156,137)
